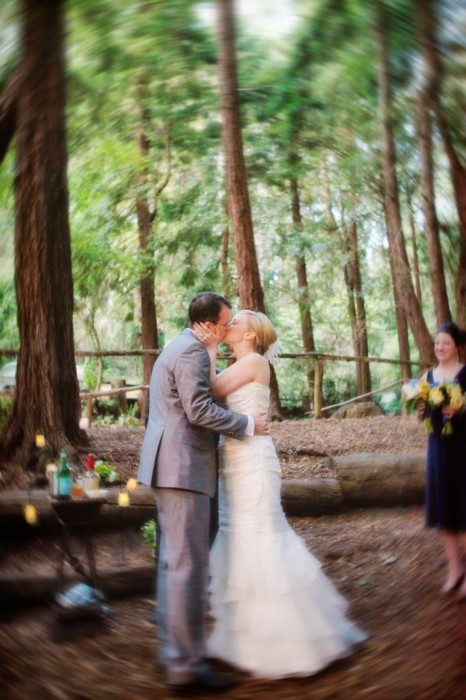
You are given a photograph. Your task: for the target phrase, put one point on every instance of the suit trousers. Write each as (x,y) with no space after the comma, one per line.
(182,581)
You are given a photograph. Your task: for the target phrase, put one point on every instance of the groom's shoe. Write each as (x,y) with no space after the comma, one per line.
(207,681)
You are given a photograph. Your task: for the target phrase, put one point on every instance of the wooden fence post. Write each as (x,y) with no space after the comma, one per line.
(318,380)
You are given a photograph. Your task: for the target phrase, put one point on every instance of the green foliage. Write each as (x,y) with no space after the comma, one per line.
(392,407)
(130,418)
(309,110)
(107,473)
(6,404)
(90,374)
(149,534)
(8,327)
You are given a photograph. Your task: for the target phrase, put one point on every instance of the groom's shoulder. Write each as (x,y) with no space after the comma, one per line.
(181,342)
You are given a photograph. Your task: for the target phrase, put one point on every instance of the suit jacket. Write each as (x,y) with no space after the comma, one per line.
(178,450)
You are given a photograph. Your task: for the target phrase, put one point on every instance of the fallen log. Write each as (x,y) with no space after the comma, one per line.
(311,497)
(381,480)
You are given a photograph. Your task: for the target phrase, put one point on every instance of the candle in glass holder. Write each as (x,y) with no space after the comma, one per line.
(131,484)
(123,499)
(30,514)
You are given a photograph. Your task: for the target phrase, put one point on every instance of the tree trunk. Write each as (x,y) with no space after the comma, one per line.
(347,274)
(362,345)
(239,209)
(353,283)
(228,284)
(434,248)
(401,320)
(417,276)
(47,391)
(402,274)
(304,302)
(427,21)
(149,332)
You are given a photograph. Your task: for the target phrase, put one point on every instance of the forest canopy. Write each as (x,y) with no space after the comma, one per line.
(359,229)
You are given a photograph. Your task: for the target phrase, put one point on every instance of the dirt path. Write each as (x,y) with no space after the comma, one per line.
(386,564)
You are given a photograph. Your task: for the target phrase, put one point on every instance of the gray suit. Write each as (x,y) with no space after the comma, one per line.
(178,460)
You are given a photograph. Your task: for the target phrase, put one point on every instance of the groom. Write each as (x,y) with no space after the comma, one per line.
(178,461)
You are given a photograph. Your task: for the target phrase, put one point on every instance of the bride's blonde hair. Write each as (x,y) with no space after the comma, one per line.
(262,328)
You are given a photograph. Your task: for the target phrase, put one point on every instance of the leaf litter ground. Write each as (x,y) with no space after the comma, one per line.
(389,567)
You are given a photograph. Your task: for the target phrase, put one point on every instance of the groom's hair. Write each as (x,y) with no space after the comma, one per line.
(206,306)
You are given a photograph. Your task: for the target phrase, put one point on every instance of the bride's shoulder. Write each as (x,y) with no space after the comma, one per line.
(254,359)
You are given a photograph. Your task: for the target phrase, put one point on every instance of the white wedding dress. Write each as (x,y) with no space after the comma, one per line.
(275,612)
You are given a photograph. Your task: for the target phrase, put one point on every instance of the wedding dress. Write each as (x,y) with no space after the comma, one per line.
(275,612)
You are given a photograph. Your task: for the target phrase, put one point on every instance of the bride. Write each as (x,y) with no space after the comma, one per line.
(275,612)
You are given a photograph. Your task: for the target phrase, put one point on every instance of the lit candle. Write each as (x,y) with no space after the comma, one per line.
(30,514)
(132,484)
(123,499)
(40,440)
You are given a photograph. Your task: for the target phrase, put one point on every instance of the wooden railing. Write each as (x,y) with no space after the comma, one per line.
(317,358)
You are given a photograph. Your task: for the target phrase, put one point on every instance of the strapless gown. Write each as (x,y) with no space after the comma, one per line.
(275,612)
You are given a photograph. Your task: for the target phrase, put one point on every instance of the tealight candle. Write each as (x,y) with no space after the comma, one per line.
(30,514)
(40,440)
(123,499)
(131,484)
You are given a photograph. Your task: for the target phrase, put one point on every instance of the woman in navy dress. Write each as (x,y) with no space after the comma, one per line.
(446,460)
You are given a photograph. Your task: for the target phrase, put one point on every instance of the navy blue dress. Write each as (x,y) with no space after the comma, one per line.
(446,470)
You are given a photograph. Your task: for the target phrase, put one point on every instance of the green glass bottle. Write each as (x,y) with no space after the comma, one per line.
(64,478)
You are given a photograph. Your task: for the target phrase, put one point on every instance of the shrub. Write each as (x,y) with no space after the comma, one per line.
(149,533)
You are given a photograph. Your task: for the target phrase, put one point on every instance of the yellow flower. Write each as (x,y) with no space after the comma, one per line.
(423,390)
(436,396)
(456,398)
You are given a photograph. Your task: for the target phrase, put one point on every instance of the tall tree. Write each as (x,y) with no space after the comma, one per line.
(304,301)
(425,12)
(399,257)
(146,216)
(47,391)
(356,302)
(239,209)
(432,230)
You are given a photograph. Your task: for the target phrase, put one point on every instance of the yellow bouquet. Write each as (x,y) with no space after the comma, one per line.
(435,396)
(414,391)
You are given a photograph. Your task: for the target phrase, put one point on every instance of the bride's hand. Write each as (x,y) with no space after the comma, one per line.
(205,335)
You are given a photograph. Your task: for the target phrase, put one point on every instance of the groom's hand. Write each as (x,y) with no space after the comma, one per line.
(261,424)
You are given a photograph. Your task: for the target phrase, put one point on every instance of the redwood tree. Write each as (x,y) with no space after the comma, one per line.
(399,258)
(425,14)
(146,215)
(47,391)
(304,301)
(424,119)
(239,209)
